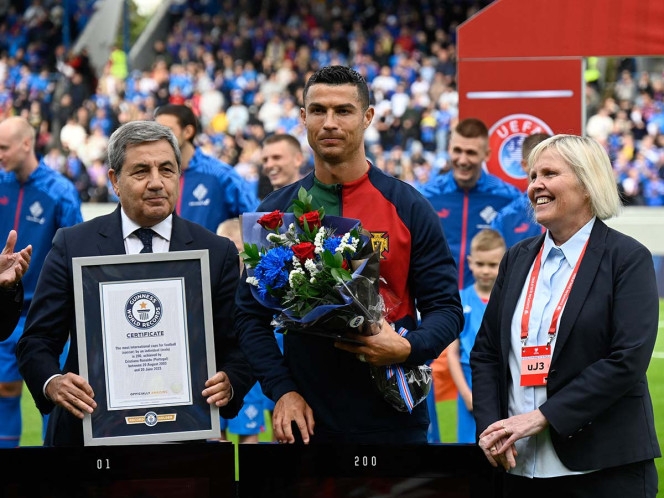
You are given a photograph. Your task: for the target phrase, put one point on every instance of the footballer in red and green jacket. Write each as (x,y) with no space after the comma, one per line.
(418,269)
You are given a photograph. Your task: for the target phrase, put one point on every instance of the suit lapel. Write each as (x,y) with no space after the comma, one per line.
(181,238)
(582,283)
(110,234)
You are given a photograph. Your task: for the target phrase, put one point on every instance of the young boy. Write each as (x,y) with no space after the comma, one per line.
(250,422)
(486,250)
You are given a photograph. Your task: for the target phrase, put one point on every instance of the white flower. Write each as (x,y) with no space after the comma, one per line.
(319,239)
(275,238)
(345,244)
(252,281)
(311,267)
(295,274)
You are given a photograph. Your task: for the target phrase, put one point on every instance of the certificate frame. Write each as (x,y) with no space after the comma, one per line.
(112,344)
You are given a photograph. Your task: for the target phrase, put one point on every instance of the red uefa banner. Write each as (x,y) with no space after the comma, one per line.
(516,98)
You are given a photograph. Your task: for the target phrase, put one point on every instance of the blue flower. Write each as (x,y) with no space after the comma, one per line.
(331,244)
(272,270)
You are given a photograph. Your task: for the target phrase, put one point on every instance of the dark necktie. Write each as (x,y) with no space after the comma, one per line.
(145,234)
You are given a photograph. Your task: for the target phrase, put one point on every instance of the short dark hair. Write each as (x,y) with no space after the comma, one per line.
(530,142)
(340,75)
(472,128)
(135,133)
(183,113)
(283,137)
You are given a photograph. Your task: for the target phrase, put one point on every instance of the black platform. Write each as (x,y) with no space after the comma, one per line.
(205,469)
(177,470)
(363,471)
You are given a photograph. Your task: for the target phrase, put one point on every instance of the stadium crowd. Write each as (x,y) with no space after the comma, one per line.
(241,66)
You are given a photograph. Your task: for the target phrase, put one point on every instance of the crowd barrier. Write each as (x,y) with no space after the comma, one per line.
(206,469)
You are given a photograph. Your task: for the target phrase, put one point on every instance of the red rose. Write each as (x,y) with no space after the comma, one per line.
(304,251)
(271,221)
(312,218)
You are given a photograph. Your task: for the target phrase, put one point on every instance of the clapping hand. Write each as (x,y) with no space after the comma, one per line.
(13,265)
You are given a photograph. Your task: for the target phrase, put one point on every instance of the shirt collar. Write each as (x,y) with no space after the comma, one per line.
(163,228)
(573,247)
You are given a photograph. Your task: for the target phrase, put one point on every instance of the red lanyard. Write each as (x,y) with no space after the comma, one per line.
(530,294)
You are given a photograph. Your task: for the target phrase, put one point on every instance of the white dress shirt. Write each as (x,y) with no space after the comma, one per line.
(536,455)
(160,242)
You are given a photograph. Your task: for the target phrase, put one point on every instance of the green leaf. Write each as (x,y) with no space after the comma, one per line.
(250,255)
(298,208)
(332,260)
(341,275)
(307,230)
(304,196)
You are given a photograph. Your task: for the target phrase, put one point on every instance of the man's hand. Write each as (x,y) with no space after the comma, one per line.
(291,407)
(384,347)
(218,389)
(73,393)
(13,265)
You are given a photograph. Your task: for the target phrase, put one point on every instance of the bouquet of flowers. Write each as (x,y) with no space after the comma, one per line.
(321,274)
(314,269)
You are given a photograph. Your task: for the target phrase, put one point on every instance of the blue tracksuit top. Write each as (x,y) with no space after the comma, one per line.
(463,213)
(516,221)
(36,209)
(212,191)
(473,312)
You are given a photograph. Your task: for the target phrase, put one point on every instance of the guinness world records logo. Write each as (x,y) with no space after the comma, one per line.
(143,310)
(505,140)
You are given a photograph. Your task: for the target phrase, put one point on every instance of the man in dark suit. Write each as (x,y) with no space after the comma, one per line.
(144,161)
(13,266)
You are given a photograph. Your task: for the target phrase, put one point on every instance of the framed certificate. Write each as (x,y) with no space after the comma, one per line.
(146,346)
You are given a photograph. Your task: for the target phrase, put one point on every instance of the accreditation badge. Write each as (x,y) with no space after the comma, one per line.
(535,363)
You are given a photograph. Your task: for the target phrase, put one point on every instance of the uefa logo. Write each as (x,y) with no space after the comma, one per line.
(505,140)
(143,310)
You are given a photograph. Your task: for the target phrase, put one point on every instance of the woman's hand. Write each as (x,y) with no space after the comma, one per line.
(497,440)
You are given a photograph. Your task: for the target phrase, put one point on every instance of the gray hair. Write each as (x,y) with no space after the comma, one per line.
(591,166)
(135,133)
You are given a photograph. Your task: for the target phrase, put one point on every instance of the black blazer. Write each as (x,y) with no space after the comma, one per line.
(598,407)
(11,303)
(51,318)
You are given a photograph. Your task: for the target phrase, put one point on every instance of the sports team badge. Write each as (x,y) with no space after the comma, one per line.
(505,140)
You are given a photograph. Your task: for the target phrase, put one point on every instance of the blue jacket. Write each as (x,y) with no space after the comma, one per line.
(36,209)
(212,191)
(473,311)
(463,213)
(416,265)
(516,221)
